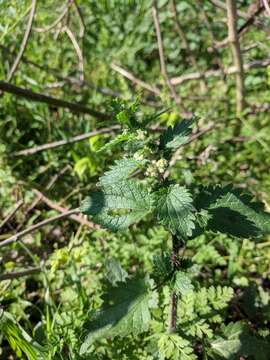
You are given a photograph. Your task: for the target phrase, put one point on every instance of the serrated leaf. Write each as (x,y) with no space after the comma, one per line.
(129,313)
(175,210)
(236,341)
(117,140)
(182,283)
(120,171)
(117,207)
(177,135)
(162,266)
(114,272)
(233,212)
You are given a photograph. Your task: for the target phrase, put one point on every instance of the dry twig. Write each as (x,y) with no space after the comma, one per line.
(236,54)
(37,226)
(135,80)
(163,66)
(77,49)
(24,42)
(59,143)
(57,21)
(217,73)
(79,218)
(28,94)
(12,213)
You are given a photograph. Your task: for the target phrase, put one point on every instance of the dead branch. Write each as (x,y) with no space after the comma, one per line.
(222,5)
(267,7)
(37,226)
(12,213)
(135,80)
(163,66)
(19,274)
(81,19)
(57,21)
(28,94)
(182,34)
(24,41)
(59,143)
(77,49)
(236,54)
(79,218)
(257,9)
(217,73)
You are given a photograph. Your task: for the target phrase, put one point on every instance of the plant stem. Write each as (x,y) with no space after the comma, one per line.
(176,245)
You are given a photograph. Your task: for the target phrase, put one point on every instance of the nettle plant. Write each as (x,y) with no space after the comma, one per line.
(138,188)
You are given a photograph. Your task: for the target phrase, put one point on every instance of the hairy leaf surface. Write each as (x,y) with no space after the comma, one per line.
(177,135)
(117,207)
(175,210)
(120,171)
(233,212)
(128,313)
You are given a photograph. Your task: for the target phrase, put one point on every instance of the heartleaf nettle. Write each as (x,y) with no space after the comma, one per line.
(138,188)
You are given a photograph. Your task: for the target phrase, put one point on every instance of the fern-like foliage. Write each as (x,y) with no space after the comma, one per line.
(174,207)
(117,207)
(175,347)
(126,311)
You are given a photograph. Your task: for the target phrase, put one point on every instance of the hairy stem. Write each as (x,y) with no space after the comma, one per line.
(176,245)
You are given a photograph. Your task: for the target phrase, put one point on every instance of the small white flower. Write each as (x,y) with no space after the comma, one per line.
(141,135)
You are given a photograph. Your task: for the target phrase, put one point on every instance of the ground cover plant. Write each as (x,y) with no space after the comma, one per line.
(134,180)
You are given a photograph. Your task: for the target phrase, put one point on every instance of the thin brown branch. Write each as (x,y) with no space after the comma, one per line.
(77,49)
(28,94)
(222,5)
(12,213)
(79,218)
(38,198)
(267,7)
(163,66)
(37,226)
(64,142)
(217,73)
(255,11)
(81,19)
(57,21)
(24,41)
(18,274)
(236,54)
(182,34)
(135,80)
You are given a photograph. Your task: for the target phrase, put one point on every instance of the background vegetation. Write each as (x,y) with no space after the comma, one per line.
(72,59)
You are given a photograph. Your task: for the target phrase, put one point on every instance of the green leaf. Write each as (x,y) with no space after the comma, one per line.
(175,210)
(174,347)
(128,312)
(177,135)
(117,207)
(162,266)
(19,340)
(233,212)
(236,341)
(117,140)
(182,283)
(114,272)
(120,171)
